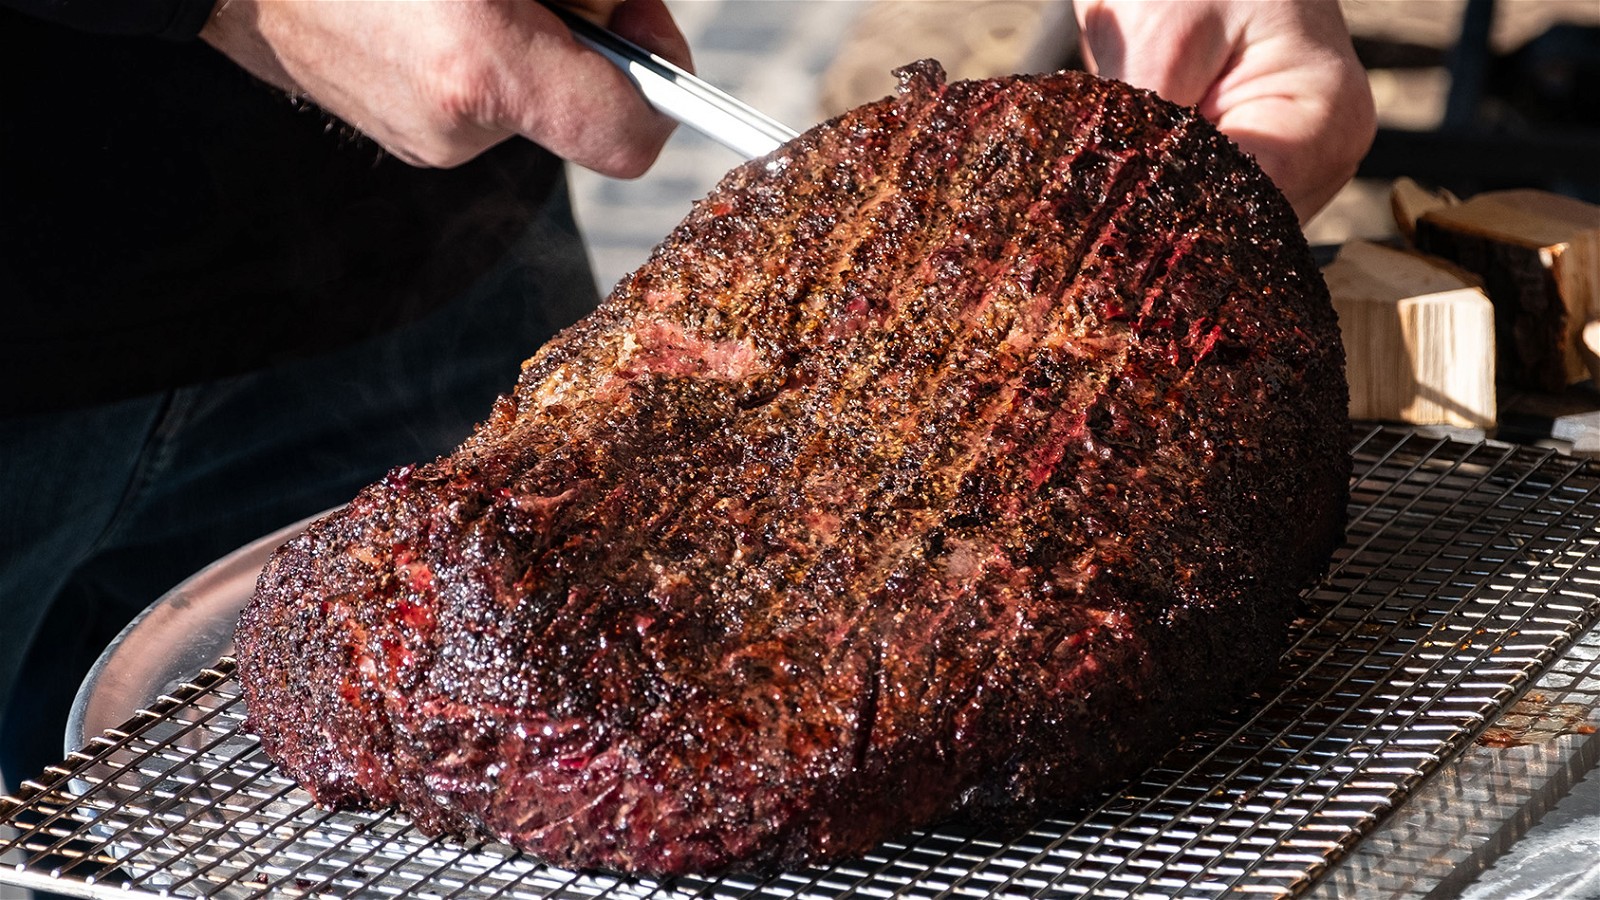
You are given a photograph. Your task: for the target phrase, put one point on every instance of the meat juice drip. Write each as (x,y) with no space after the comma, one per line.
(1535,720)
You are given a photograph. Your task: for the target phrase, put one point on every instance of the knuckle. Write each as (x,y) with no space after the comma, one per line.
(617,148)
(632,161)
(460,91)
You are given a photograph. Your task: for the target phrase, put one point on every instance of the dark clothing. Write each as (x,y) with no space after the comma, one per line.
(107,507)
(225,312)
(175,19)
(165,218)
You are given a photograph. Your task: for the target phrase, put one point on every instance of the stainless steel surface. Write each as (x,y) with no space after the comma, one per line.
(1471,572)
(175,637)
(1449,836)
(678,94)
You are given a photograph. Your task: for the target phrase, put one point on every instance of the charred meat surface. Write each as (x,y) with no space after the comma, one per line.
(952,460)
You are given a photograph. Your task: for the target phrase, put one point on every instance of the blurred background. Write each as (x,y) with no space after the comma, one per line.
(1472,94)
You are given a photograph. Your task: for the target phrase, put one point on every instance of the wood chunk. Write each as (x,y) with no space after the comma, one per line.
(1418,336)
(1408,201)
(1539,256)
(1589,349)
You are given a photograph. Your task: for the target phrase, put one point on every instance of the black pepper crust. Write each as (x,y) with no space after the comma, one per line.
(954,459)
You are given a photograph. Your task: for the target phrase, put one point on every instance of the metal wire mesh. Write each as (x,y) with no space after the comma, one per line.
(1466,571)
(1480,803)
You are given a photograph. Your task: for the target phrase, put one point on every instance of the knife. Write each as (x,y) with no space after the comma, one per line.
(680,95)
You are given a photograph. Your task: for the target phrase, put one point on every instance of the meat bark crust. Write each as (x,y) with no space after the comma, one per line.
(954,459)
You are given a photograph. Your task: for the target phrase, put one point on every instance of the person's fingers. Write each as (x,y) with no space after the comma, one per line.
(438,83)
(1308,140)
(376,71)
(592,114)
(1172,47)
(581,107)
(649,24)
(1298,100)
(597,11)
(1262,130)
(1280,78)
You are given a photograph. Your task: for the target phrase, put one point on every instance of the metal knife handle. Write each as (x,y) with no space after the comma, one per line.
(713,113)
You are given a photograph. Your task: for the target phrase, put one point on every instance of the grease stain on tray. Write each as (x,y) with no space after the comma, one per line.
(1535,720)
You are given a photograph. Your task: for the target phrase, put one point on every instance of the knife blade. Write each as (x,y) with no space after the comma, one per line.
(679,94)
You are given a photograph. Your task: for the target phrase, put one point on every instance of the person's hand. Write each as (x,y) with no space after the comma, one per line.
(1279,77)
(436,83)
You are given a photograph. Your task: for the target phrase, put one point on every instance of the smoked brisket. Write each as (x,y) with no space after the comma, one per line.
(952,460)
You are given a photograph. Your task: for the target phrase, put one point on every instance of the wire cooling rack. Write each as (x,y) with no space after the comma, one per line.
(1467,571)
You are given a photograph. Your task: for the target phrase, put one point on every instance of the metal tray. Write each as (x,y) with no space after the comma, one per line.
(187,629)
(1471,573)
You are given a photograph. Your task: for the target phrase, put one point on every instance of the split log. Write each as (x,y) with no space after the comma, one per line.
(1409,201)
(1418,336)
(1539,256)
